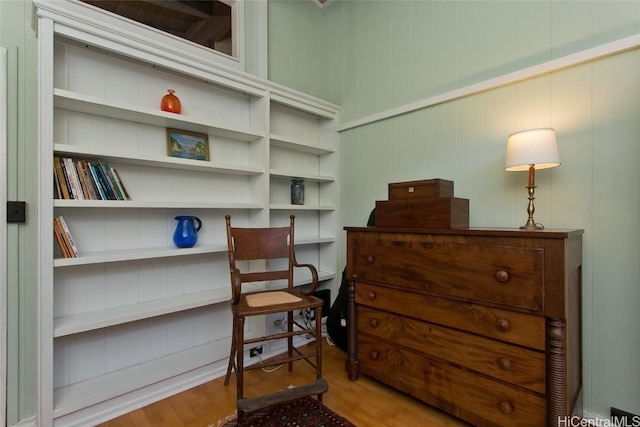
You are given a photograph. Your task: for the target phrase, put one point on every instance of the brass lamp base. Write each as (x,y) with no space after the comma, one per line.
(531,224)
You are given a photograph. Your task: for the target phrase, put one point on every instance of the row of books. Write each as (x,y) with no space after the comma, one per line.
(86,180)
(63,236)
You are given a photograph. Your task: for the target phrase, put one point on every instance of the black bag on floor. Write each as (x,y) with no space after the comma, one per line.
(338,318)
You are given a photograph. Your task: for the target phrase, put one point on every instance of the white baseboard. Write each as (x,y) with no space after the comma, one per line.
(137,399)
(29,422)
(129,402)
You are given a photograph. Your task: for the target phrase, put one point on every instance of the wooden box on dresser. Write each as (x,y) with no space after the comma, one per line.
(482,323)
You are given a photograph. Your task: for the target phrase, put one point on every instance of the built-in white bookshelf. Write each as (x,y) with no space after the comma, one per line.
(305,146)
(132,318)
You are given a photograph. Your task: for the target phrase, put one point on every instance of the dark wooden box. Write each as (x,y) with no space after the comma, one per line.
(420,189)
(436,212)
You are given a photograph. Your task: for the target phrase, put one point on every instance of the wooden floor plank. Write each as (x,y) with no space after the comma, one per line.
(364,402)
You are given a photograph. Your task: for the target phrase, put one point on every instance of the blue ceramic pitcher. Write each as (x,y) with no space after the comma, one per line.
(186,234)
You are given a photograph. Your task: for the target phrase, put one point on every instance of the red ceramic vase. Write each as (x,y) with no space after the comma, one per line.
(171,103)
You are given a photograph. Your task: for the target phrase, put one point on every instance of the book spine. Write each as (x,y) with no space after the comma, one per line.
(65,168)
(57,190)
(104,182)
(88,178)
(62,179)
(105,170)
(72,178)
(72,242)
(60,236)
(112,181)
(83,184)
(96,180)
(119,182)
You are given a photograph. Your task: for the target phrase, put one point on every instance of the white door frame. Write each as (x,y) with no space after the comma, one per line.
(3,235)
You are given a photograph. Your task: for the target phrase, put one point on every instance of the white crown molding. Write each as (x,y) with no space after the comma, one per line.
(79,15)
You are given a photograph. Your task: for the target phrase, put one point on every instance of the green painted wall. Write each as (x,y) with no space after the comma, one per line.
(17,36)
(297,52)
(376,55)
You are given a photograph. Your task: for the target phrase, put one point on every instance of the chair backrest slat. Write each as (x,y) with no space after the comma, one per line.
(247,244)
(260,243)
(264,275)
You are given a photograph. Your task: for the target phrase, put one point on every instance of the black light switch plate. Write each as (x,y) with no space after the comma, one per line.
(16,211)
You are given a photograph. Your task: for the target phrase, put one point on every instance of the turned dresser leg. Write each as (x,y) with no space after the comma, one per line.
(352,346)
(557,372)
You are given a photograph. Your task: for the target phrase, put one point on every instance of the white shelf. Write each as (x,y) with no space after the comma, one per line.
(99,389)
(293,144)
(85,322)
(300,241)
(302,207)
(151,253)
(89,153)
(306,176)
(81,103)
(137,254)
(322,276)
(142,204)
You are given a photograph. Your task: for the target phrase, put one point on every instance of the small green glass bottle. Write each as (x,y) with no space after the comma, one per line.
(297,191)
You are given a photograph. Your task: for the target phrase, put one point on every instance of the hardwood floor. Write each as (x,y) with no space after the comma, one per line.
(364,402)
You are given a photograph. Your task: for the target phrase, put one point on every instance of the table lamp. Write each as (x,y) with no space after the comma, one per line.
(531,149)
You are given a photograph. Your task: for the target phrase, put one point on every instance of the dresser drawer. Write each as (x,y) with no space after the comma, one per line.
(475,398)
(514,327)
(510,363)
(506,275)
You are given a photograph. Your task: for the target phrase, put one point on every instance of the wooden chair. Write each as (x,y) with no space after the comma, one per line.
(247,244)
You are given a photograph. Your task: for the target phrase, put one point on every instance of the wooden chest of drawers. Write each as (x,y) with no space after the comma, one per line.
(482,323)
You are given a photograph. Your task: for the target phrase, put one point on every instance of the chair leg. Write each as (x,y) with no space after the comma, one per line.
(318,317)
(239,325)
(290,339)
(232,355)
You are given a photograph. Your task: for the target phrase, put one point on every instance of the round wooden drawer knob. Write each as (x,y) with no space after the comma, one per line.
(504,363)
(506,407)
(502,276)
(370,259)
(372,296)
(373,323)
(503,325)
(374,355)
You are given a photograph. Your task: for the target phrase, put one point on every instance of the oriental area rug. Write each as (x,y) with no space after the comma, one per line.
(305,412)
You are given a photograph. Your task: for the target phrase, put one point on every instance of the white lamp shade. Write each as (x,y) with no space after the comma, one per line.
(536,147)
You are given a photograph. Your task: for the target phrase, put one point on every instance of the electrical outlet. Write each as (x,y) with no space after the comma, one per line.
(255,351)
(279,324)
